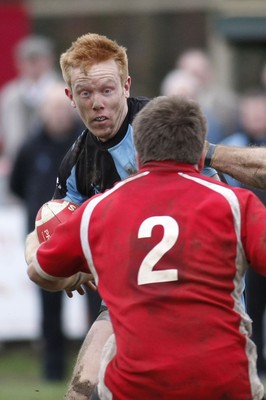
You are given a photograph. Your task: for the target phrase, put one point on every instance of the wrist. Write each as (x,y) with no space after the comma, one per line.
(77,280)
(209,155)
(74,282)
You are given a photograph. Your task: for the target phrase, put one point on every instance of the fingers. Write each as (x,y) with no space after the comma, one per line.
(91,285)
(69,293)
(80,290)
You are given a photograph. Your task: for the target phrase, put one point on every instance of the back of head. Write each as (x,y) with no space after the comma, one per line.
(91,49)
(170,128)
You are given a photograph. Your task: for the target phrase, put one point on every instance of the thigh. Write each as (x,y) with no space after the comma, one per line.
(86,370)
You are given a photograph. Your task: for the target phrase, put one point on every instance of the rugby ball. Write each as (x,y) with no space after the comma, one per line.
(50,215)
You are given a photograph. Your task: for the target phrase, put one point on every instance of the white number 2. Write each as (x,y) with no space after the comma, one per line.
(171,231)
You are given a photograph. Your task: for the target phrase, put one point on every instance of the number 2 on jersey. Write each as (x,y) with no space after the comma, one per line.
(146,273)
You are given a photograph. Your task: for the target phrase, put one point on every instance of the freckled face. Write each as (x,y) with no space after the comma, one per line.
(100,98)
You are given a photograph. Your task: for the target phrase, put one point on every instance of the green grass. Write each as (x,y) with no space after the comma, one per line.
(20,374)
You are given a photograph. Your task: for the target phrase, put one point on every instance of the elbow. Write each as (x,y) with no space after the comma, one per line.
(50,286)
(32,274)
(35,277)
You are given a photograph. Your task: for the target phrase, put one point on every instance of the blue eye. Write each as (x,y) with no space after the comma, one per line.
(107,91)
(85,94)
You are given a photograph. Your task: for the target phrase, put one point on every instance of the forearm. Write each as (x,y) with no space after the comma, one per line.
(246,164)
(57,284)
(69,283)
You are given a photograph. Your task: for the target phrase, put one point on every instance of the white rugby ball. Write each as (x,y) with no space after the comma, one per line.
(50,215)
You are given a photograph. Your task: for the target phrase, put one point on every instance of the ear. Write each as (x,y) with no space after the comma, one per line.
(138,161)
(201,161)
(70,96)
(127,87)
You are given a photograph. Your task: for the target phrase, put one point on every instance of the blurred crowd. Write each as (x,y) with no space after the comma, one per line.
(38,125)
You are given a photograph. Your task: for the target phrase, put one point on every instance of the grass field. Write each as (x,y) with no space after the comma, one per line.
(20,374)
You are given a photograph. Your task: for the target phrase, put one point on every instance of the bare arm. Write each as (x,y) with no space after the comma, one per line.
(246,164)
(31,245)
(69,284)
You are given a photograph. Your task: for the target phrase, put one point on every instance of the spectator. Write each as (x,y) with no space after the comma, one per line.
(253,133)
(34,58)
(263,77)
(183,83)
(219,101)
(178,270)
(32,179)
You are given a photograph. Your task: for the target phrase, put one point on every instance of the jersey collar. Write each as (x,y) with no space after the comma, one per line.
(169,165)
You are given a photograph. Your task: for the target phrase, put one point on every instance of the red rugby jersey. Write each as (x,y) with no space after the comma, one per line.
(169,248)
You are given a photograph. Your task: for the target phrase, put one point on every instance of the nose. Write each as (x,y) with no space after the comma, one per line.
(96,103)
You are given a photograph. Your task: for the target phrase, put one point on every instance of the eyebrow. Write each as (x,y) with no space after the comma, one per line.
(79,86)
(106,82)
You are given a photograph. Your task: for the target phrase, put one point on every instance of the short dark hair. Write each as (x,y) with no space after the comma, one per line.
(34,46)
(170,128)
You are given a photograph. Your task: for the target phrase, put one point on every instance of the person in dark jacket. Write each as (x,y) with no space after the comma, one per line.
(32,180)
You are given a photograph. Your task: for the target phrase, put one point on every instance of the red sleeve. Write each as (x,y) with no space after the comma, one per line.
(253,230)
(62,255)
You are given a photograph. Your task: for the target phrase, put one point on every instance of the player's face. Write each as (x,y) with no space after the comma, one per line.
(100,98)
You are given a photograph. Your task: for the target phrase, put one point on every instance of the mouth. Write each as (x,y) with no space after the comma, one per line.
(100,119)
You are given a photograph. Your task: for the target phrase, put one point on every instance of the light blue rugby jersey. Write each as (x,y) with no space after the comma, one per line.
(124,155)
